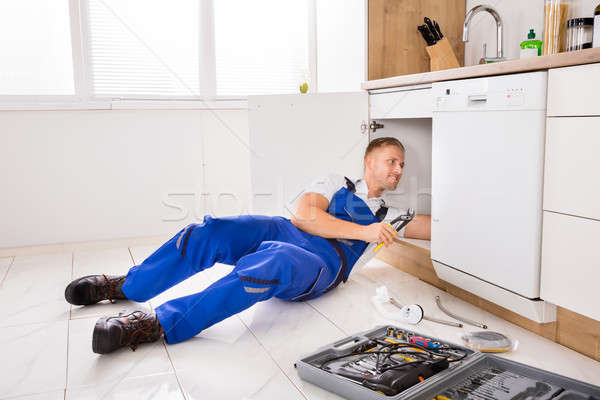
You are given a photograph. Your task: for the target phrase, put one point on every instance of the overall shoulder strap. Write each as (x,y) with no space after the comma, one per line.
(350,185)
(381,212)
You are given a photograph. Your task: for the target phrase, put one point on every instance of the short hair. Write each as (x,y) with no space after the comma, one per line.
(383,141)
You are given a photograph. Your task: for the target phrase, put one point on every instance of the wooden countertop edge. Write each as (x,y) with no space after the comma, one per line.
(580,57)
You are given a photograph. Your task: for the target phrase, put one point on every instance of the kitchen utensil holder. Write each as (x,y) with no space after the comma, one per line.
(441,56)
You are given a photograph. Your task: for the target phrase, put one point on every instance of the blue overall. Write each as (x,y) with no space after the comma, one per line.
(272,258)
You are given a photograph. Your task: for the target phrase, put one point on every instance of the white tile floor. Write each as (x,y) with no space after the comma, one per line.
(45,344)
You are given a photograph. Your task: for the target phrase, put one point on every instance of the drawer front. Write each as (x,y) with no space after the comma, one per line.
(572,166)
(574,90)
(415,103)
(571,263)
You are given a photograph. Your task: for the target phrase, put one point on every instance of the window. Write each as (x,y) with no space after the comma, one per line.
(190,48)
(100,50)
(35,48)
(261,46)
(144,48)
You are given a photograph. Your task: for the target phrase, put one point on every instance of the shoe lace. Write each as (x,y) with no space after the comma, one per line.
(138,329)
(112,287)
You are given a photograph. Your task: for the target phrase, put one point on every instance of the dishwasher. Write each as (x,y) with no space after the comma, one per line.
(487,171)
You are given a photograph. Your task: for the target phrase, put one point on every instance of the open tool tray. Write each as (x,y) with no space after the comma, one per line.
(493,377)
(331,375)
(351,368)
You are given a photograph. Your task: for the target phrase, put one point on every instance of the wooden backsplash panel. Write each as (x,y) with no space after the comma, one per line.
(395,45)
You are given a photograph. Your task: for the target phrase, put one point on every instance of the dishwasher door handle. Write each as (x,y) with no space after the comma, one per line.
(477,98)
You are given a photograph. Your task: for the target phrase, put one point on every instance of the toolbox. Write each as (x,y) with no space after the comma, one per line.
(389,362)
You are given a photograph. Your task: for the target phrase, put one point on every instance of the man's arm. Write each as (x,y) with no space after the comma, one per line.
(419,227)
(312,217)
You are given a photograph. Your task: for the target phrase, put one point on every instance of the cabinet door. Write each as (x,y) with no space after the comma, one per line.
(402,103)
(572,171)
(295,139)
(571,263)
(574,90)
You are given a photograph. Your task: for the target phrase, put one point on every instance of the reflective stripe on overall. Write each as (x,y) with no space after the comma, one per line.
(271,258)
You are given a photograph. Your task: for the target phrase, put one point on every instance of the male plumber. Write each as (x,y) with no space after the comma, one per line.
(336,227)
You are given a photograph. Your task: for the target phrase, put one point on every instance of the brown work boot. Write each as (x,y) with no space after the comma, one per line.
(94,288)
(130,328)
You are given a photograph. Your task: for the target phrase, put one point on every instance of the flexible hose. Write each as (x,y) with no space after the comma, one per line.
(451,314)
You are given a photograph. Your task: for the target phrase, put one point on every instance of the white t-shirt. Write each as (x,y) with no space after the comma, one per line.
(330,184)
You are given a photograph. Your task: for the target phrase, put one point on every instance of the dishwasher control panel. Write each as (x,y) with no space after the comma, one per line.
(526,91)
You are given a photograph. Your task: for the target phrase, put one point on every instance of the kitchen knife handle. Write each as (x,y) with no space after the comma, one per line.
(438,30)
(431,28)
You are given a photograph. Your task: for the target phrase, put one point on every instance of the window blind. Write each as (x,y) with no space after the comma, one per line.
(153,48)
(144,48)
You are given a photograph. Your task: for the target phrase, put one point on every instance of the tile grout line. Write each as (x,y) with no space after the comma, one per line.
(272,358)
(12,261)
(131,256)
(174,370)
(325,316)
(69,328)
(29,394)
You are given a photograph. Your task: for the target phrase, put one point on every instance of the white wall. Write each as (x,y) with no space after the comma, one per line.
(341,44)
(518,17)
(71,176)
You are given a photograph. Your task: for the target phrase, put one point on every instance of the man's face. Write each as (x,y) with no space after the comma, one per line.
(385,165)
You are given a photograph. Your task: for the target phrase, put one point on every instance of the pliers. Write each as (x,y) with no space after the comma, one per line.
(399,223)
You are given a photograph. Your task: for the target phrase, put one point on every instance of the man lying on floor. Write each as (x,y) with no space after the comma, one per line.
(294,260)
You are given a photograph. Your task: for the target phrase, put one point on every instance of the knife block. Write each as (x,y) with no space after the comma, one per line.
(441,56)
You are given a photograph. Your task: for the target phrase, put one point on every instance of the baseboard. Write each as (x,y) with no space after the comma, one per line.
(78,246)
(538,311)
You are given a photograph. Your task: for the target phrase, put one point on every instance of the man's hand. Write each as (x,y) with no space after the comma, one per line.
(379,232)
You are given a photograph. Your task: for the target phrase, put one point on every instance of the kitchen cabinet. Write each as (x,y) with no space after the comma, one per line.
(574,91)
(297,138)
(411,102)
(572,170)
(329,133)
(313,127)
(570,265)
(395,45)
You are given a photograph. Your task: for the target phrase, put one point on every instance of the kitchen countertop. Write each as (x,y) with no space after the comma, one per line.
(586,56)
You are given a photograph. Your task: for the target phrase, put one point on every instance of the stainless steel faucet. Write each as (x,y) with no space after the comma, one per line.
(494,13)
